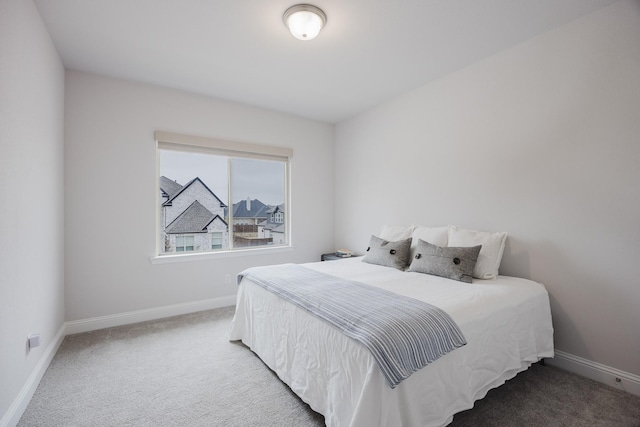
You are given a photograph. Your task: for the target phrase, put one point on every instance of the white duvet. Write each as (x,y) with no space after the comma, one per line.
(506,322)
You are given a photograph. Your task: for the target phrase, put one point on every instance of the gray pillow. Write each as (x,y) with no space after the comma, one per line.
(389,254)
(452,263)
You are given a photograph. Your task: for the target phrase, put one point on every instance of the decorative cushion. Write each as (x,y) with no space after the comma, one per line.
(452,263)
(393,233)
(438,236)
(490,254)
(389,254)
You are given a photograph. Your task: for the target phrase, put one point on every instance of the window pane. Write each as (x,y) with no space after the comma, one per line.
(213,201)
(216,240)
(258,189)
(194,193)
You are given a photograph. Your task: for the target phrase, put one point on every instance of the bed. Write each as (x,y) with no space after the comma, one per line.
(506,322)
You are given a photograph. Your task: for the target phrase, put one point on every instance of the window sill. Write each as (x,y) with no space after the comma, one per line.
(203,256)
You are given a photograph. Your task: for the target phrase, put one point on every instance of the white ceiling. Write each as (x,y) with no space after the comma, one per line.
(369,51)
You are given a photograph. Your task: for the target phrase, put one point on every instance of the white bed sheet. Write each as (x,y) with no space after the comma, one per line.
(506,322)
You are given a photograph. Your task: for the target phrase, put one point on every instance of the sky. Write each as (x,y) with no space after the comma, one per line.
(258,179)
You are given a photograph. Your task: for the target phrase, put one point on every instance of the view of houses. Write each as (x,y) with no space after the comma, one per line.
(194,219)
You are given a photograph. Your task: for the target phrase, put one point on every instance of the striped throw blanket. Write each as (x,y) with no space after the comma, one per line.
(403,334)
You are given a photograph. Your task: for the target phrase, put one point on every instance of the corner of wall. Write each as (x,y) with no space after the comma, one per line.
(20,403)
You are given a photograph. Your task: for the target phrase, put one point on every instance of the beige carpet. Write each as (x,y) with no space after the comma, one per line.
(183,371)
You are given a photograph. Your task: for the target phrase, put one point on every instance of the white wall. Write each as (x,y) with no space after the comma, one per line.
(31,197)
(110,161)
(541,141)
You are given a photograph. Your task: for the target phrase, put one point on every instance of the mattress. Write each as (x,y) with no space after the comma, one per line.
(506,322)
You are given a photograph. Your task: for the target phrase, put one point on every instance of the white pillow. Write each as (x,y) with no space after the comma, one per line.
(490,254)
(438,236)
(393,233)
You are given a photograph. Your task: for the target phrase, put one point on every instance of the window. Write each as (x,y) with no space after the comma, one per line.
(216,240)
(184,243)
(220,195)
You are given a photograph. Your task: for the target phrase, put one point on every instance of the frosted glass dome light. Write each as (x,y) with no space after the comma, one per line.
(304,21)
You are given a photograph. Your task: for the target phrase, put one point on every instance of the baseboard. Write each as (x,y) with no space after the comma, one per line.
(598,372)
(95,323)
(17,408)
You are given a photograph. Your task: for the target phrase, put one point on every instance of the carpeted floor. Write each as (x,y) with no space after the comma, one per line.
(183,371)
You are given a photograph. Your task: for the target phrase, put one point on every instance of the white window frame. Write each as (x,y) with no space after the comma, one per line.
(204,145)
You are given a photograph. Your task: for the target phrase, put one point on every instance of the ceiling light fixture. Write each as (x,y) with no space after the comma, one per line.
(304,21)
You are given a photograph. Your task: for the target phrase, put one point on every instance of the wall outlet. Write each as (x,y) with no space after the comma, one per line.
(34,340)
(227,278)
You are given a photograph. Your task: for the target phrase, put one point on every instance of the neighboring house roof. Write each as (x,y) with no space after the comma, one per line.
(168,187)
(258,209)
(195,219)
(278,229)
(275,228)
(173,196)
